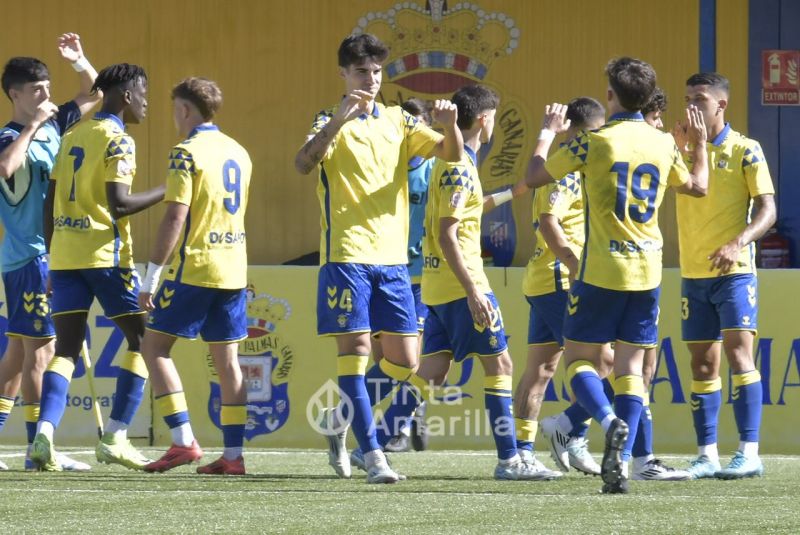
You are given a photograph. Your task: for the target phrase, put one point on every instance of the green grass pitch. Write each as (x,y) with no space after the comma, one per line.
(294,491)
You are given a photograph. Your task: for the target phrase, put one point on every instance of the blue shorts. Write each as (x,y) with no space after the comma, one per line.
(710,306)
(420,307)
(598,316)
(185,311)
(449,327)
(117,290)
(546,320)
(353,298)
(28,305)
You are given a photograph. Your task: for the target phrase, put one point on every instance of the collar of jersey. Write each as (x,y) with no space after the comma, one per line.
(203,128)
(100,115)
(472,155)
(15,126)
(717,141)
(627,116)
(375,112)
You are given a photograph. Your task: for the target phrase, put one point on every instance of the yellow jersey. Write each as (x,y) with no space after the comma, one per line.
(737,172)
(363,185)
(625,167)
(545,273)
(84,234)
(454,191)
(210,173)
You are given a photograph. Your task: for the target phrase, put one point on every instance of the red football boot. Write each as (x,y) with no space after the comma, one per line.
(176,456)
(223,466)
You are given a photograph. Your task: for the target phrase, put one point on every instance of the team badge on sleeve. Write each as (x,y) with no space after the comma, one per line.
(457,199)
(124,167)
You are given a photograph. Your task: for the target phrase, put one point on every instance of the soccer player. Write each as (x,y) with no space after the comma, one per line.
(419,171)
(626,166)
(361,149)
(558,221)
(88,233)
(28,145)
(464,319)
(204,290)
(719,301)
(646,466)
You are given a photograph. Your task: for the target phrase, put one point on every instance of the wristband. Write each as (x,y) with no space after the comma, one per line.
(546,135)
(502,197)
(81,65)
(151,276)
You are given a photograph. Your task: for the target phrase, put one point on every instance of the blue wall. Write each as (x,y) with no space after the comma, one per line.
(774,24)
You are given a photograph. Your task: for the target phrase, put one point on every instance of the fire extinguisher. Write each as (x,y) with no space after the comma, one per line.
(773,250)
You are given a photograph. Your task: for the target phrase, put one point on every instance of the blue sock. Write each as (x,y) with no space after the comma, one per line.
(643,445)
(628,406)
(405,401)
(351,369)
(706,400)
(130,387)
(232,420)
(526,433)
(55,386)
(747,400)
(32,411)
(588,389)
(6,404)
(382,378)
(608,388)
(497,397)
(577,417)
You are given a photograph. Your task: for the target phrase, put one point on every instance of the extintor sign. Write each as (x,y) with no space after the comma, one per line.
(780,79)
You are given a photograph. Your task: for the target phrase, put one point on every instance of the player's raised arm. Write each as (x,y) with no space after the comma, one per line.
(356,103)
(690,137)
(69,46)
(554,123)
(451,148)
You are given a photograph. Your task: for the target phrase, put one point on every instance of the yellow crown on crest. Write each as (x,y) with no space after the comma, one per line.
(464,38)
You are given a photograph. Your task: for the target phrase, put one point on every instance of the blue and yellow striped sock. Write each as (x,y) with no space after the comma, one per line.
(6,404)
(32,411)
(526,433)
(173,408)
(382,378)
(578,417)
(55,386)
(643,445)
(588,389)
(497,397)
(747,401)
(706,400)
(628,406)
(130,387)
(404,402)
(352,386)
(233,419)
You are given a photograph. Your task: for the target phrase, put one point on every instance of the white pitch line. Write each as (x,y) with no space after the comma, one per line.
(502,495)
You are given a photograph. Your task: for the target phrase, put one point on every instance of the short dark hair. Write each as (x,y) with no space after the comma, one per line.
(658,102)
(21,70)
(471,101)
(205,94)
(583,110)
(418,108)
(633,81)
(119,74)
(711,79)
(355,49)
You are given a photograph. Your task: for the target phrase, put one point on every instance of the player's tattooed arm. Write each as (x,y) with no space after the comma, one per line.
(725,257)
(313,151)
(554,123)
(556,240)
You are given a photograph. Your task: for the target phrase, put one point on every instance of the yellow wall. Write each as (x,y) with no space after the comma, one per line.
(276,64)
